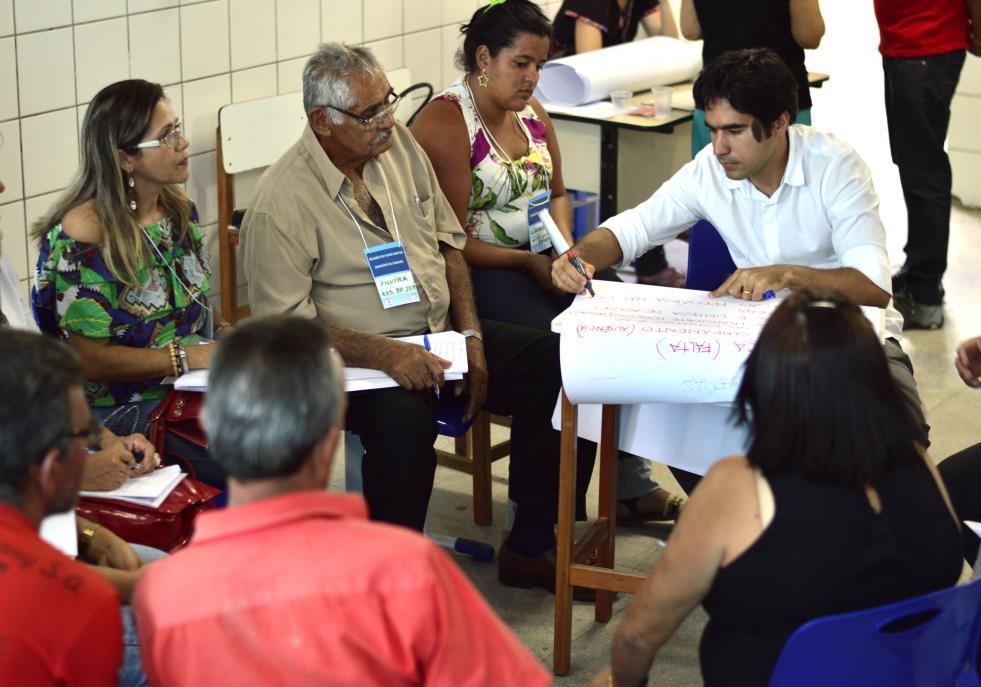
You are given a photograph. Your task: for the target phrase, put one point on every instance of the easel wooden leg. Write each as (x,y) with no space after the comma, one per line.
(607,505)
(565,540)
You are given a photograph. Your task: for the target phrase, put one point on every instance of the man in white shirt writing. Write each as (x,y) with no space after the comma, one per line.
(795,206)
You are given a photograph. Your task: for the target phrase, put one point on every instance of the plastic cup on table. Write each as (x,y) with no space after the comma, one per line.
(620,100)
(661,99)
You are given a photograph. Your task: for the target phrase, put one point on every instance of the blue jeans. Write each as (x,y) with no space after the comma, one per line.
(918,94)
(131,672)
(700,133)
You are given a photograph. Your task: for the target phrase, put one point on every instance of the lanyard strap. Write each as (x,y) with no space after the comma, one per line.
(391,206)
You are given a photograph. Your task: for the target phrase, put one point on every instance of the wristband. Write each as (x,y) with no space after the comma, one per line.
(182,357)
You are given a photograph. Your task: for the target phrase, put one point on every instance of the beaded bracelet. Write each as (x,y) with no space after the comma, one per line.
(174,364)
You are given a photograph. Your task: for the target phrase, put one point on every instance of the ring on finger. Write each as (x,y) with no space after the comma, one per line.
(747,291)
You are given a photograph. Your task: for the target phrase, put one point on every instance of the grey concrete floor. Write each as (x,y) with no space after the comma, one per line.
(850,105)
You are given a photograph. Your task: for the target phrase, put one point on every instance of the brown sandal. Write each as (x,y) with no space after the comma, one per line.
(673,505)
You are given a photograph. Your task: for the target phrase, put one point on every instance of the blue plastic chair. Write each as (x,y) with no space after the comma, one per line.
(709,262)
(928,641)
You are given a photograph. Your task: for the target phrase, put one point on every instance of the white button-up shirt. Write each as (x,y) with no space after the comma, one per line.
(824,214)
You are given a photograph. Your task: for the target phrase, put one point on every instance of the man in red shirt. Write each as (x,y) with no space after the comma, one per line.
(294,586)
(923,44)
(59,620)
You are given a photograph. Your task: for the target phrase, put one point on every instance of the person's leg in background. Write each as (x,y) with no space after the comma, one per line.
(397,430)
(524,382)
(961,473)
(652,268)
(918,93)
(901,369)
(639,498)
(497,291)
(130,670)
(512,296)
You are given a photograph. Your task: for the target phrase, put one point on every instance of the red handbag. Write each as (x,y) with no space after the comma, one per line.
(167,528)
(178,415)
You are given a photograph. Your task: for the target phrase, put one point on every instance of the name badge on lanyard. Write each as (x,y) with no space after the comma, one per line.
(537,233)
(390,269)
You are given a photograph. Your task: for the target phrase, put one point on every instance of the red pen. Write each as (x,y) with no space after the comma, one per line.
(581,270)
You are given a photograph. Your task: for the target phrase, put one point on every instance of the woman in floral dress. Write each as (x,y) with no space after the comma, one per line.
(495,154)
(122,272)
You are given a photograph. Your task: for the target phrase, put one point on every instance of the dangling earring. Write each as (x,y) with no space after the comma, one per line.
(131,183)
(482,78)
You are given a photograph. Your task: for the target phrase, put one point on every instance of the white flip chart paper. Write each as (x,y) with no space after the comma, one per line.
(690,436)
(634,343)
(640,344)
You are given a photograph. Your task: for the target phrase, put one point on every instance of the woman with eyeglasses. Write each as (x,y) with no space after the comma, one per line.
(122,272)
(835,507)
(495,154)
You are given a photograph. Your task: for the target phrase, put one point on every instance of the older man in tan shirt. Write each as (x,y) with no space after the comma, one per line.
(356,185)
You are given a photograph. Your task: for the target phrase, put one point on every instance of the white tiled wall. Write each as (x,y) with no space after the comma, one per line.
(56,54)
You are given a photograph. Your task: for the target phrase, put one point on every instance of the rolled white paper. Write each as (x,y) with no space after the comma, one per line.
(635,66)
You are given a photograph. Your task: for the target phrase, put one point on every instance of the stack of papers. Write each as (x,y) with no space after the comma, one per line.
(149,490)
(450,346)
(195,380)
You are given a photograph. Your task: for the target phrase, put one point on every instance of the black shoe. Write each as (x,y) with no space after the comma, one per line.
(527,572)
(917,315)
(900,285)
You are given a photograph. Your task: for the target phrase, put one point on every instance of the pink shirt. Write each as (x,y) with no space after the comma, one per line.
(302,589)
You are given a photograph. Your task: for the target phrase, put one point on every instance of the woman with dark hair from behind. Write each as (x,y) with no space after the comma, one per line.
(496,157)
(835,482)
(122,271)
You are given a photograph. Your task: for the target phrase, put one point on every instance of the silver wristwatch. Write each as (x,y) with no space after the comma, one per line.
(467,333)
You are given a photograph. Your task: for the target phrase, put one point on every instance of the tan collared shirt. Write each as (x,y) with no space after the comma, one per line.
(303,254)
